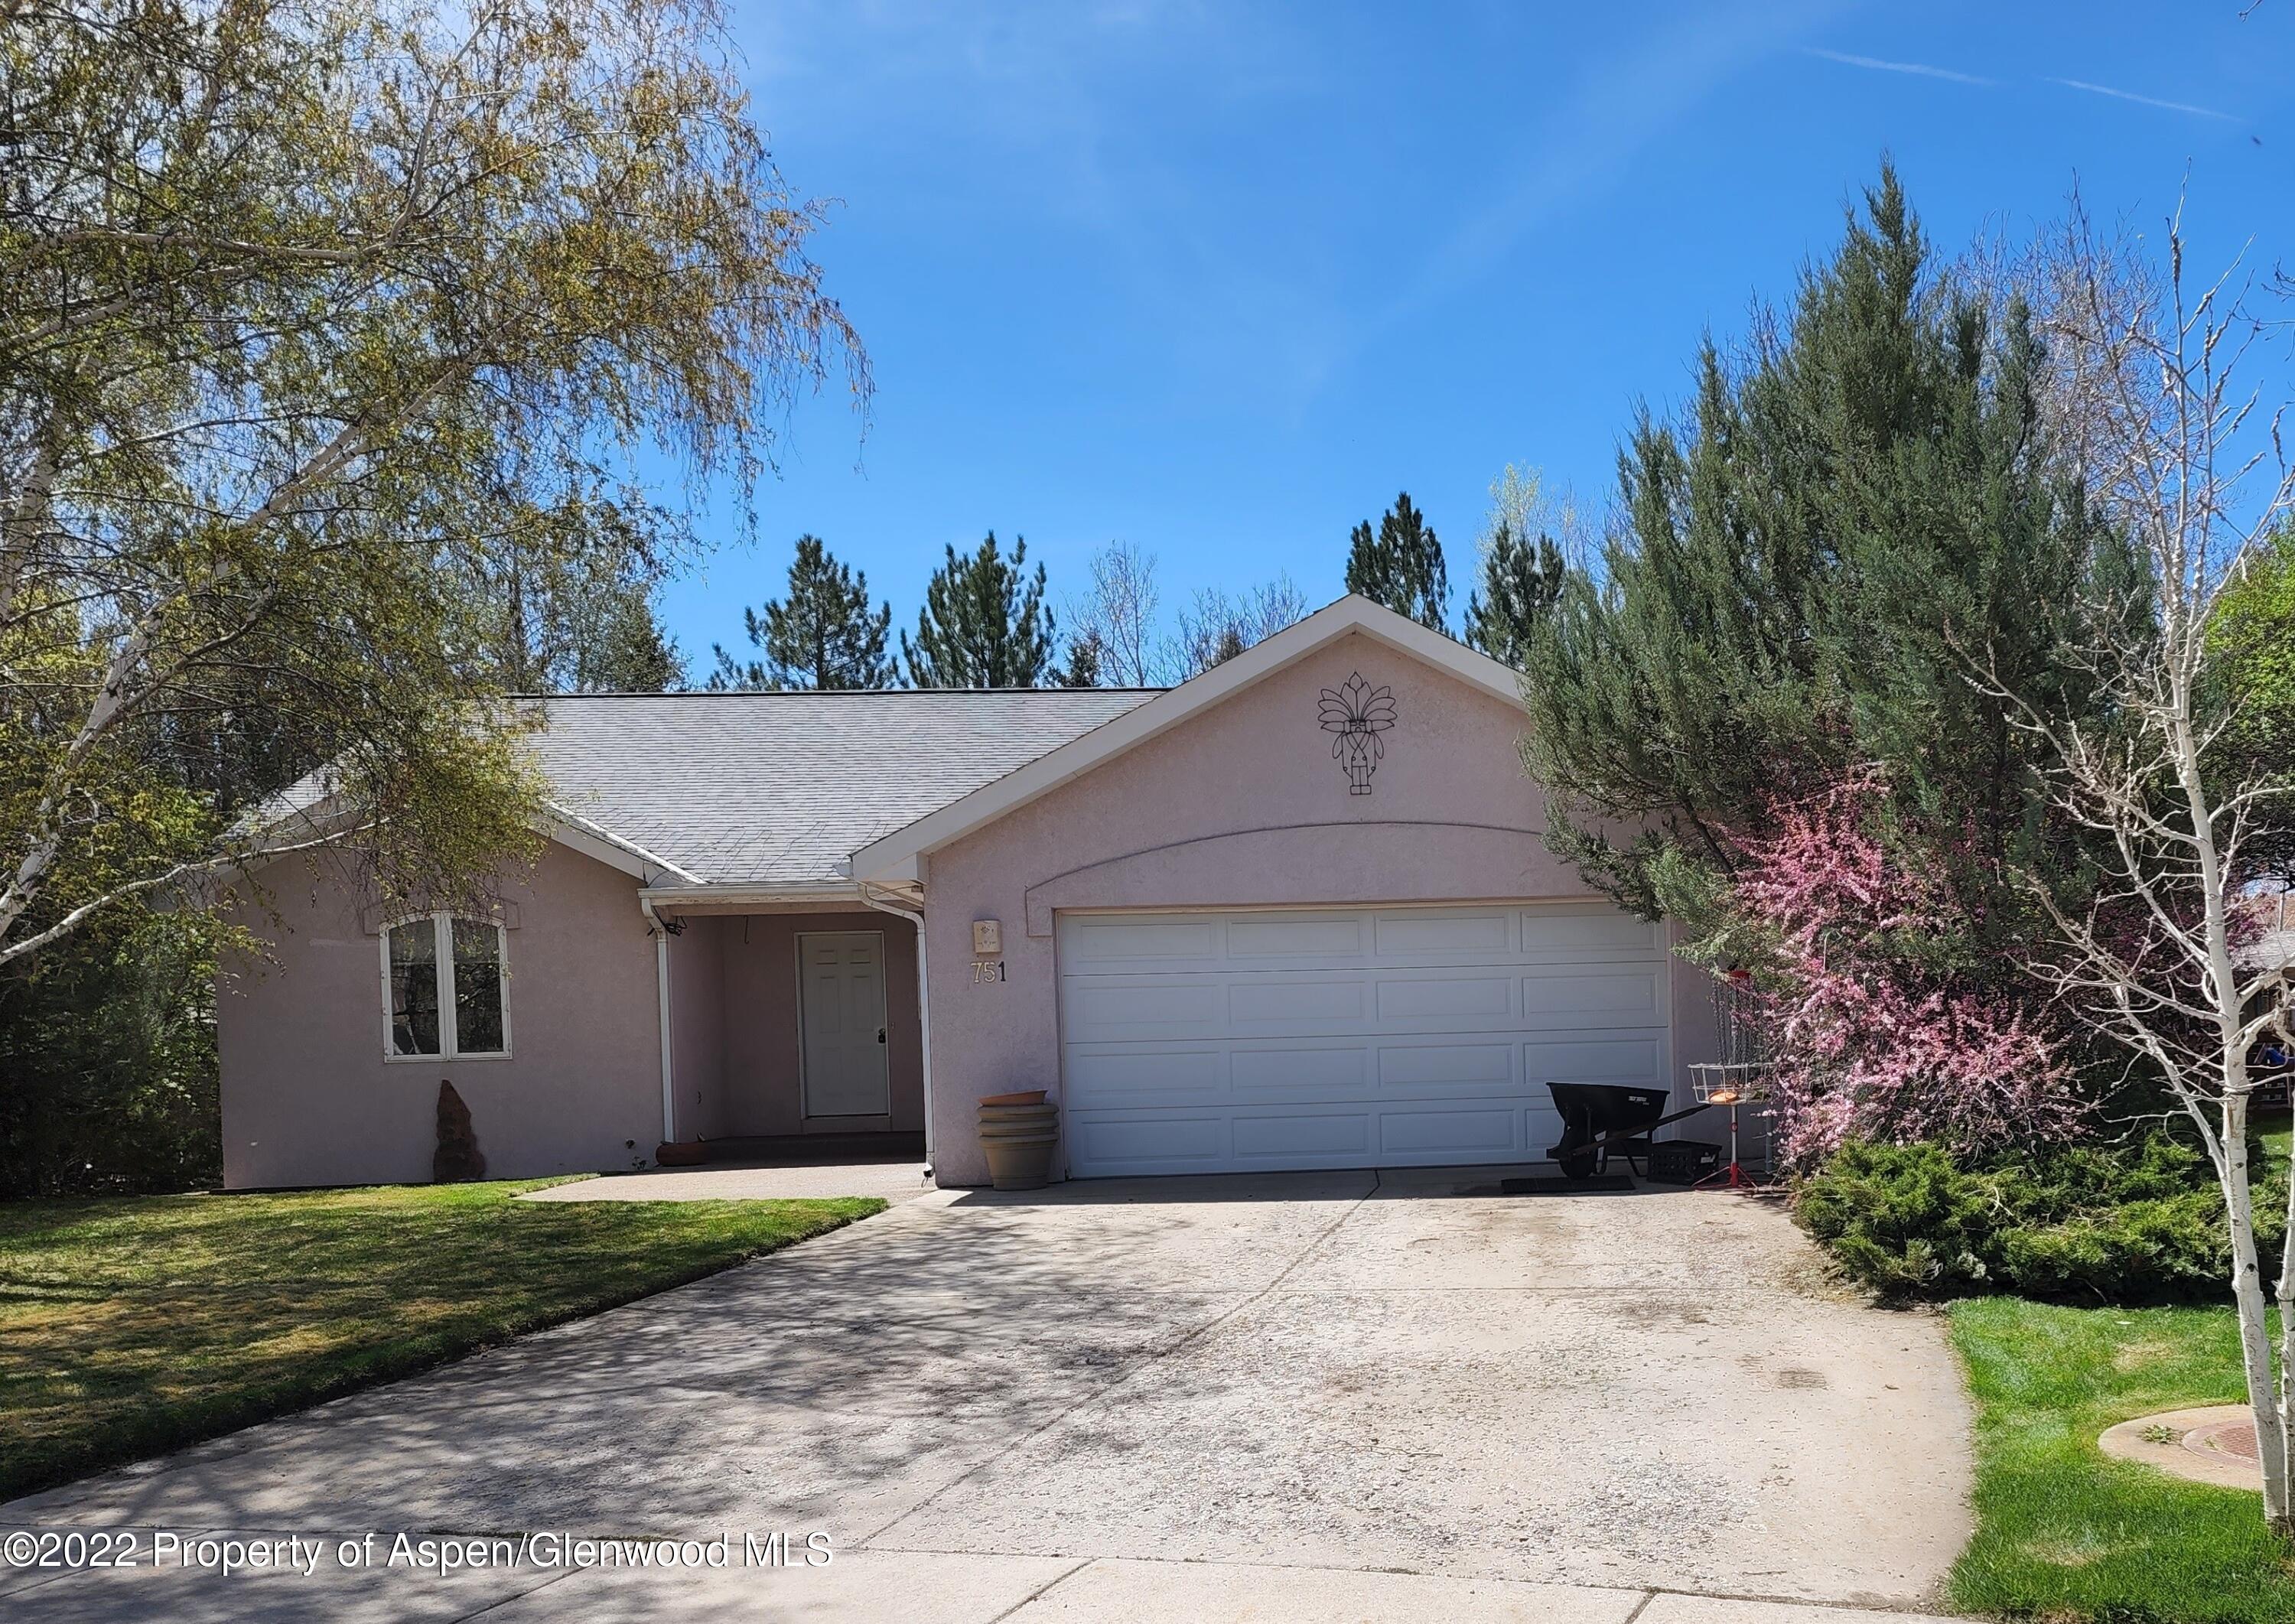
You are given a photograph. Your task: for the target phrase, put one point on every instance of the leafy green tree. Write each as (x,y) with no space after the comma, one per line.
(1401,564)
(2252,638)
(2251,642)
(1851,515)
(984,622)
(291,293)
(107,1041)
(1522,579)
(823,635)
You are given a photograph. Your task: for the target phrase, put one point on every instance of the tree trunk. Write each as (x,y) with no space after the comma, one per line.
(2254,1329)
(2286,1365)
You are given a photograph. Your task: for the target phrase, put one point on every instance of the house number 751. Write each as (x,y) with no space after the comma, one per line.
(986,970)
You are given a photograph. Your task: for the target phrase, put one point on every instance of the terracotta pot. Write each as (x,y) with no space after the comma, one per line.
(1018,1140)
(1024,1097)
(1019,1113)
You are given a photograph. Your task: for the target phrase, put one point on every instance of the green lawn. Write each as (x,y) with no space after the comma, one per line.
(2277,1132)
(129,1326)
(2063,1533)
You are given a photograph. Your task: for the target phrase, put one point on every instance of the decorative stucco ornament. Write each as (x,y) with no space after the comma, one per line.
(1357,714)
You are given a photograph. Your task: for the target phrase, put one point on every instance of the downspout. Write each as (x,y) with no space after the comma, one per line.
(660,932)
(915,916)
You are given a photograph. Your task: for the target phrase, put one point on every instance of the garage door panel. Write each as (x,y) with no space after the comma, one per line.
(1316,1072)
(1280,935)
(1414,1001)
(1297,1004)
(1484,936)
(1548,934)
(1113,1076)
(1290,1140)
(1446,1065)
(1114,939)
(1541,1127)
(1162,1143)
(1629,1058)
(1475,1134)
(1102,1010)
(1594,999)
(1347,1037)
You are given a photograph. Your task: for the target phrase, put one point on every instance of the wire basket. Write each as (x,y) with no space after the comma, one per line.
(1729,1082)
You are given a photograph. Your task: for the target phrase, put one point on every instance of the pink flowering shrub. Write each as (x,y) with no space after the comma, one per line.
(1875,1033)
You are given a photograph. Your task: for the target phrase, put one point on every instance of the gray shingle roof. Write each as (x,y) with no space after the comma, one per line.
(782,788)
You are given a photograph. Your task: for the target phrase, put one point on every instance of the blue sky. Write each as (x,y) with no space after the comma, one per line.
(1218,279)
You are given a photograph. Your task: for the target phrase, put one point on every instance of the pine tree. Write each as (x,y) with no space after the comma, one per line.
(1086,657)
(626,652)
(984,622)
(1400,566)
(1807,562)
(823,635)
(1520,581)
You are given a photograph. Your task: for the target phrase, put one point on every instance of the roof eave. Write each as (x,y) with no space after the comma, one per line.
(596,841)
(764,893)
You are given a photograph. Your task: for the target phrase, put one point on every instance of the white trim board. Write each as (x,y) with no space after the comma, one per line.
(896,857)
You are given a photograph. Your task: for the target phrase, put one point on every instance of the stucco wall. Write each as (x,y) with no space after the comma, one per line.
(758,952)
(697,1026)
(1243,804)
(308,1098)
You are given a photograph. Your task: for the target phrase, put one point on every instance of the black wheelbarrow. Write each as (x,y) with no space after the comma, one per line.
(1600,1117)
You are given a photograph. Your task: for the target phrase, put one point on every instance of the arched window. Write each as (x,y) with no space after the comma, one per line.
(444,989)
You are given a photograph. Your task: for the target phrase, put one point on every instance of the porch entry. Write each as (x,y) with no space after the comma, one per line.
(841,1019)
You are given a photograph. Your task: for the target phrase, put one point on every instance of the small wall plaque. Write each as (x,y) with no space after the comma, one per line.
(987,938)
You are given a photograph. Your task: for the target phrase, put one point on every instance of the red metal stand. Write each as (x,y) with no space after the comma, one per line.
(1732,1176)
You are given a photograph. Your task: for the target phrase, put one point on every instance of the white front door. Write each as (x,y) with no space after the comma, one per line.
(841,1023)
(1347,1037)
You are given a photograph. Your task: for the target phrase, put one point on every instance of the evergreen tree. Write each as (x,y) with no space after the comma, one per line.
(1520,581)
(1400,566)
(984,622)
(625,651)
(562,601)
(1849,515)
(1086,657)
(823,634)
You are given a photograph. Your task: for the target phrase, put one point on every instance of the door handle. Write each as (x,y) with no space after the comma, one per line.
(881,1035)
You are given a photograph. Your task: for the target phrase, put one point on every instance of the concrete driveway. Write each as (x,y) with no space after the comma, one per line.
(1318,1396)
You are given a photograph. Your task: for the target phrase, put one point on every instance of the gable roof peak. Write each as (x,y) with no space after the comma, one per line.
(893,857)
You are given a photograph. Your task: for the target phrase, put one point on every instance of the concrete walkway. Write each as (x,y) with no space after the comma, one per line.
(1318,1397)
(895,1181)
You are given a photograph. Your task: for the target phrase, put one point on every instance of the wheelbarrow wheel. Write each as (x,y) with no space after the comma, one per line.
(1576,1155)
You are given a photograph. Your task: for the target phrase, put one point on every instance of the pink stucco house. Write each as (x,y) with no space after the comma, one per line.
(1295,913)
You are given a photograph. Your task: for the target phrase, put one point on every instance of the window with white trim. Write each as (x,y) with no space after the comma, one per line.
(444,987)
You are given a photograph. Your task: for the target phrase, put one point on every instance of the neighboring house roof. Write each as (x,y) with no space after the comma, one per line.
(2272,949)
(778,789)
(893,858)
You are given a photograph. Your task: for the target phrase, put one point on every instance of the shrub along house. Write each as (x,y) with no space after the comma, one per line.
(1293,913)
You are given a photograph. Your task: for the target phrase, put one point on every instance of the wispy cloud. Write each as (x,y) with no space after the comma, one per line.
(2129,95)
(1594,132)
(1922,69)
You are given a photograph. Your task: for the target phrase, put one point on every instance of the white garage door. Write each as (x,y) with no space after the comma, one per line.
(1207,1042)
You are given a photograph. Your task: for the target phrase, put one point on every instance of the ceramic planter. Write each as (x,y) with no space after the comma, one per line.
(1018,1140)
